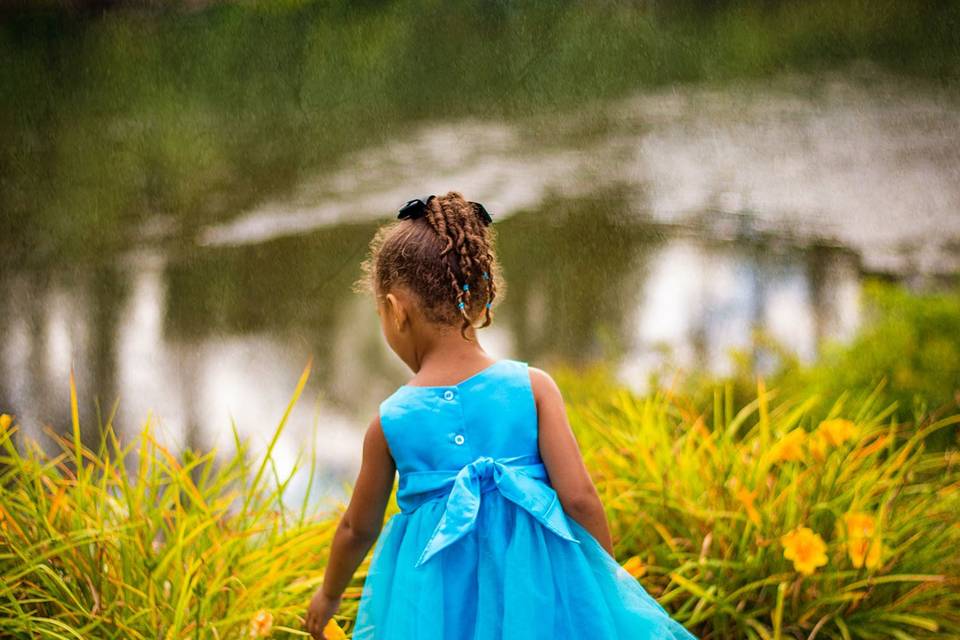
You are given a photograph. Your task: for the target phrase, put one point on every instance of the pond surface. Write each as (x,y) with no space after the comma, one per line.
(660,228)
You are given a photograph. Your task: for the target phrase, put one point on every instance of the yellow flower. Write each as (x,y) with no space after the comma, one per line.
(5,422)
(746,498)
(863,544)
(333,631)
(635,567)
(790,446)
(261,624)
(864,552)
(818,446)
(837,431)
(805,548)
(859,525)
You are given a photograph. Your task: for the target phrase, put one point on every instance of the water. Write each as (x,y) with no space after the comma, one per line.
(659,228)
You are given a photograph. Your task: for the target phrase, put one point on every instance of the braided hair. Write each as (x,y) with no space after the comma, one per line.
(445,257)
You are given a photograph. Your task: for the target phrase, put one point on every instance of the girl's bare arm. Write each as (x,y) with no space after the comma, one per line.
(361,522)
(564,463)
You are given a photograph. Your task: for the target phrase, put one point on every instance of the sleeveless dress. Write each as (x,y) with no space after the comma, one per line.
(481,548)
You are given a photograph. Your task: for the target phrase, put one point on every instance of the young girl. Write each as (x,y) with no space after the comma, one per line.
(501,533)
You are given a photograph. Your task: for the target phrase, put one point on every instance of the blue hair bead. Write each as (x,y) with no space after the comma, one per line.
(461,304)
(485,277)
(466,287)
(488,305)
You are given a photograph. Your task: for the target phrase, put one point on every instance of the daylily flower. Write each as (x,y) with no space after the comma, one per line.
(864,552)
(790,446)
(817,445)
(261,624)
(859,525)
(805,548)
(332,631)
(635,567)
(837,431)
(746,498)
(863,545)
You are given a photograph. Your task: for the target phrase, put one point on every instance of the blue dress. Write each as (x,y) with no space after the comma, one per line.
(481,548)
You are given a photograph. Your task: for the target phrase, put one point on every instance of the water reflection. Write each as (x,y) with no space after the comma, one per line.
(862,159)
(661,227)
(206,337)
(704,298)
(574,269)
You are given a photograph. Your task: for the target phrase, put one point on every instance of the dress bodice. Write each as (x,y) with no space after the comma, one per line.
(456,442)
(491,413)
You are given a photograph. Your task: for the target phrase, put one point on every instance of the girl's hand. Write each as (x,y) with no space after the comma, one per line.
(319,612)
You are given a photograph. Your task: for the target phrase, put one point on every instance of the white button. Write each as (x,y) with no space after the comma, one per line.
(448,394)
(458,439)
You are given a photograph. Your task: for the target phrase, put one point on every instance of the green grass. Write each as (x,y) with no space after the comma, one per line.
(701,489)
(132,542)
(676,480)
(907,351)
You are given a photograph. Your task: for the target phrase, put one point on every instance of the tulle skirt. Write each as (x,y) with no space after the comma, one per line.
(508,578)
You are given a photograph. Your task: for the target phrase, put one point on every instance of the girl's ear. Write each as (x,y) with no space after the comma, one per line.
(396,310)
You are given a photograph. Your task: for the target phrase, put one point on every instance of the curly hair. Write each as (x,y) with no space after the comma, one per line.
(440,257)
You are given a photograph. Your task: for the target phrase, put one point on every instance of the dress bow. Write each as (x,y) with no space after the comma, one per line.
(521,484)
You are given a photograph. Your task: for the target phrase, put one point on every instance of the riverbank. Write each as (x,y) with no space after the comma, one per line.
(765,512)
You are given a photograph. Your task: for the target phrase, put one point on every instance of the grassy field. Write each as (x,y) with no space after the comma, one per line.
(781,515)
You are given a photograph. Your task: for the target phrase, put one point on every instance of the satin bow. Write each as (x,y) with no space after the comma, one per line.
(521,484)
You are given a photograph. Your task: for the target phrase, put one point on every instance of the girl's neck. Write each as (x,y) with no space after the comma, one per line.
(451,359)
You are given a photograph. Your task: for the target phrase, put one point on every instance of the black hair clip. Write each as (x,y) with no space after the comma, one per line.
(482,211)
(418,206)
(414,208)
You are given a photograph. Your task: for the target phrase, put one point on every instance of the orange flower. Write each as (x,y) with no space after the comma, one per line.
(261,624)
(837,431)
(635,567)
(863,552)
(746,498)
(333,631)
(818,446)
(859,525)
(863,544)
(805,548)
(790,446)
(5,422)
